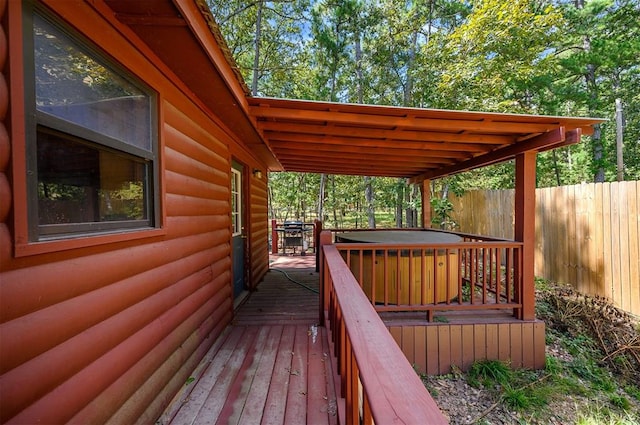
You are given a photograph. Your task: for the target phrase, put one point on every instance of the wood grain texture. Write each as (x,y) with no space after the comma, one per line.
(269,374)
(434,348)
(586,235)
(104,331)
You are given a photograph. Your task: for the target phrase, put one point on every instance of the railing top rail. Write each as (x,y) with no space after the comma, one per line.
(395,392)
(462,234)
(424,245)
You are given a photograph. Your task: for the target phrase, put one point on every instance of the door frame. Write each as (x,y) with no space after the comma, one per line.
(240,169)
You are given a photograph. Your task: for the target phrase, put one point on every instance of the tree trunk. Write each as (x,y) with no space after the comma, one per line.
(408,88)
(619,140)
(592,86)
(368,196)
(256,47)
(399,201)
(323,180)
(333,196)
(411,212)
(556,168)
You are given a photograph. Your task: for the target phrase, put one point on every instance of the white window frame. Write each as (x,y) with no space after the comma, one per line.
(236,202)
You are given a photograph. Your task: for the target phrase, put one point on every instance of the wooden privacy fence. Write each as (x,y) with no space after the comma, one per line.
(587,235)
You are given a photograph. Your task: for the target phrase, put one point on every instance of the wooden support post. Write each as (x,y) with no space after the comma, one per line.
(525,228)
(324,238)
(425,192)
(317,229)
(274,237)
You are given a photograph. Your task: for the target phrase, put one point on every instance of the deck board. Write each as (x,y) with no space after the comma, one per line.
(257,394)
(272,366)
(279,388)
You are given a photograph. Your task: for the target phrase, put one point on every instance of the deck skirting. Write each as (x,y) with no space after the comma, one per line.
(433,348)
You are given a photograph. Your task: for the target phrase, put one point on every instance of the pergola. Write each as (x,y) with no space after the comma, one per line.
(418,144)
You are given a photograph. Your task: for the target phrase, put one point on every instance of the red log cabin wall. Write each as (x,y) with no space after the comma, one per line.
(258,231)
(108,329)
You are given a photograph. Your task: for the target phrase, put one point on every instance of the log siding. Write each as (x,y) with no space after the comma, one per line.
(108,329)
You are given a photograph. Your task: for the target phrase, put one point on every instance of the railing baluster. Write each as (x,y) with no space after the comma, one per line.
(423,276)
(386,277)
(472,274)
(367,419)
(411,283)
(393,280)
(484,276)
(374,289)
(435,276)
(447,275)
(355,391)
(360,268)
(498,274)
(508,274)
(342,360)
(397,276)
(351,405)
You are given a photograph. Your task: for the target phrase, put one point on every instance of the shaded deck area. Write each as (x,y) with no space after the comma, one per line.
(271,366)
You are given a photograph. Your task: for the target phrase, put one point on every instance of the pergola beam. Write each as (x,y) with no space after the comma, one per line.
(482,124)
(437,156)
(375,143)
(542,142)
(384,134)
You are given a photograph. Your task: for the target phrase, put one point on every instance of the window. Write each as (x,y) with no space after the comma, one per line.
(91,150)
(236,202)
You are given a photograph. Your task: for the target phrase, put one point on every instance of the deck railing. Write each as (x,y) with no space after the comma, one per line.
(377,382)
(475,273)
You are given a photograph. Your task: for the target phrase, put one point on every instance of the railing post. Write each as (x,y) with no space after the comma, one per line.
(274,237)
(323,238)
(317,229)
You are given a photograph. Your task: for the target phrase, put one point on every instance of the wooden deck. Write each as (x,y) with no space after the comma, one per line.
(271,366)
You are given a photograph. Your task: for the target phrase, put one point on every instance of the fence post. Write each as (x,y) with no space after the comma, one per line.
(324,238)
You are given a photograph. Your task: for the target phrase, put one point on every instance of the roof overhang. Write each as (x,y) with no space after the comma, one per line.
(185,37)
(336,138)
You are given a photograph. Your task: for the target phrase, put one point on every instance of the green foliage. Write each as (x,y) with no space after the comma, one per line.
(633,391)
(598,414)
(552,365)
(523,56)
(620,402)
(494,60)
(489,372)
(442,209)
(524,398)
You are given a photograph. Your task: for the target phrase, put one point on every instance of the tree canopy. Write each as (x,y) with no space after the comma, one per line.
(543,57)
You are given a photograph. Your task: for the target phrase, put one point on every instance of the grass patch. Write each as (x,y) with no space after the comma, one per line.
(598,414)
(488,373)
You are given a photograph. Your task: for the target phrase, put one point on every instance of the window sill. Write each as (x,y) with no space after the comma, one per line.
(44,247)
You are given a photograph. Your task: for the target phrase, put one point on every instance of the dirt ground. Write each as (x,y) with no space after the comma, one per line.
(570,318)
